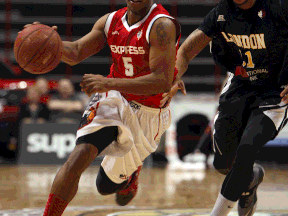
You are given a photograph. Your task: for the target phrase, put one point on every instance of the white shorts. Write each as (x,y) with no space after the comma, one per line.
(139,132)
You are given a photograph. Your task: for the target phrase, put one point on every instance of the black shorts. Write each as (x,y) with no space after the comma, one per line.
(244,110)
(105,186)
(101,138)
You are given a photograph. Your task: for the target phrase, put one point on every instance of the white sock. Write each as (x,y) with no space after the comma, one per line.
(222,206)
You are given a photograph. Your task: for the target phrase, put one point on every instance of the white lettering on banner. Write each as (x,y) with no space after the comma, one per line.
(61,144)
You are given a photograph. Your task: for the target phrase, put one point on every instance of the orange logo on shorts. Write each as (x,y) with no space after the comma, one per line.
(91,115)
(88,117)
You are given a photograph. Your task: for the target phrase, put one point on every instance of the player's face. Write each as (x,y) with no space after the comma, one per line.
(244,4)
(136,6)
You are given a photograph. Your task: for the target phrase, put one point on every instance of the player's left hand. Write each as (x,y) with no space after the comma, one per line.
(284,95)
(177,84)
(92,83)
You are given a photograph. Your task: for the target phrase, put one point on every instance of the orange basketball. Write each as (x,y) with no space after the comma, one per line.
(38,49)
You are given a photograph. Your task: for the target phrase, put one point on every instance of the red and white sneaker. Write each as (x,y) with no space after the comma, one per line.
(124,196)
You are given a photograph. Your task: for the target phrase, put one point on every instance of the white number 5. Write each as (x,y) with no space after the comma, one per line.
(129,70)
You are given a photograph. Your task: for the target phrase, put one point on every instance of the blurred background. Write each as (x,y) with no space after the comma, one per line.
(39,114)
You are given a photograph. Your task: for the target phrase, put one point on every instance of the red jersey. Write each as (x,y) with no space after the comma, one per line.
(129,47)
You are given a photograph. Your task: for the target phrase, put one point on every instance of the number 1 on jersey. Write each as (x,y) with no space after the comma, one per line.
(129,70)
(250,63)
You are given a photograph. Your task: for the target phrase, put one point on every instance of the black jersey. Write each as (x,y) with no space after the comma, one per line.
(256,38)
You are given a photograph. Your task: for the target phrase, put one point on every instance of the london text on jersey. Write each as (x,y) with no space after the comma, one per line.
(252,41)
(127,50)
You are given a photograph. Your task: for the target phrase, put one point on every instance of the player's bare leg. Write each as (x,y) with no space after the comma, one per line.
(65,184)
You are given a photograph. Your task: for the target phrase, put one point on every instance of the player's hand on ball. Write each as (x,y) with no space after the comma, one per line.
(35,23)
(94,83)
(177,84)
(38,48)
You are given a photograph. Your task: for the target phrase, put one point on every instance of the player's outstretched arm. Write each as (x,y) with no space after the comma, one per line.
(162,56)
(190,48)
(90,44)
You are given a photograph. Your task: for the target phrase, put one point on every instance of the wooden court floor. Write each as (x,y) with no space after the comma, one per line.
(24,191)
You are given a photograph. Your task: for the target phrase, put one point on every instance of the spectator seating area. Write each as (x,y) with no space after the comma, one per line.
(35,102)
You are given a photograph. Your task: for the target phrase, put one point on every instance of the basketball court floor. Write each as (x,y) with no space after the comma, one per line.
(162,191)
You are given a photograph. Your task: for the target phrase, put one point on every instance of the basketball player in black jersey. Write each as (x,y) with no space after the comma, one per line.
(250,41)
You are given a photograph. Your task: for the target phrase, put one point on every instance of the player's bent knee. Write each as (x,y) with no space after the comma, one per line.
(105,186)
(221,169)
(220,166)
(223,163)
(101,189)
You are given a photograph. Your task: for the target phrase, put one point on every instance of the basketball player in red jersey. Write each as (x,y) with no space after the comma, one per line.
(124,120)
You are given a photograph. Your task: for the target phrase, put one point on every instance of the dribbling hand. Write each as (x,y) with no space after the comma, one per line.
(94,83)
(177,84)
(35,23)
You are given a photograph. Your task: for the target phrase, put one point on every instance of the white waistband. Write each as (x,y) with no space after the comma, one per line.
(139,106)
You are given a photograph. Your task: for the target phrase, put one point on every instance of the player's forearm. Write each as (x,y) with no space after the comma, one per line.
(182,63)
(191,47)
(70,53)
(86,46)
(144,85)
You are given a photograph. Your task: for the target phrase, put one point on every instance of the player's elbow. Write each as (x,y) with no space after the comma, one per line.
(76,56)
(162,81)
